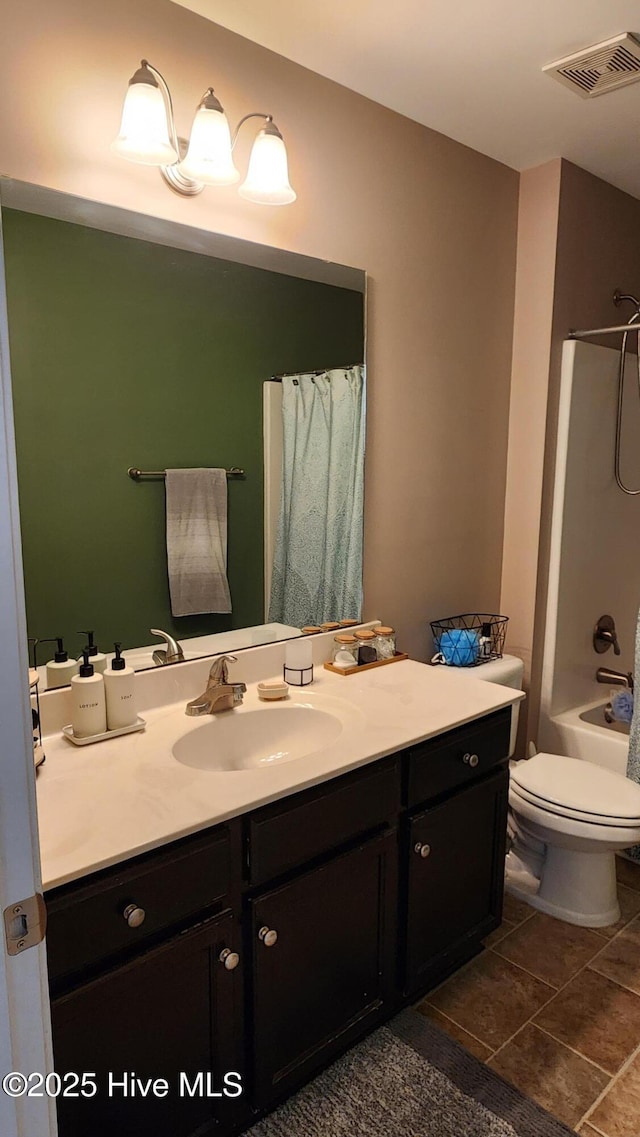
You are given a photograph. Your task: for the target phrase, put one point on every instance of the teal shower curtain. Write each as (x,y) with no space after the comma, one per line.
(317,566)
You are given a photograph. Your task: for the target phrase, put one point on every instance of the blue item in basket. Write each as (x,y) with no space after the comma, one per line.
(460,646)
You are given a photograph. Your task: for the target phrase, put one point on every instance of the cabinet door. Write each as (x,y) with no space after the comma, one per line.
(325,975)
(171,1010)
(455,854)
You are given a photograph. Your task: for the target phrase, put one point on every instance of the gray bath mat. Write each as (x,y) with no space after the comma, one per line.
(408,1079)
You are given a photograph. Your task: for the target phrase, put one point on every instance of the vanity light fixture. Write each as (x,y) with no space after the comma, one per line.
(148,135)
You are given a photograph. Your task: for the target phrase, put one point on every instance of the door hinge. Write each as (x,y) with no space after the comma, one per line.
(25,924)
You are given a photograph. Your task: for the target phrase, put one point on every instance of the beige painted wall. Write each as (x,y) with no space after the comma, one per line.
(591,247)
(433,223)
(535,283)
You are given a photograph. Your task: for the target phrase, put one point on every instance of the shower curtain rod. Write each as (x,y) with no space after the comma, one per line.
(321,371)
(580,335)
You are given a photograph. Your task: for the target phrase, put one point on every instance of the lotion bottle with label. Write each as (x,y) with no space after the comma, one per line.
(88,704)
(119,689)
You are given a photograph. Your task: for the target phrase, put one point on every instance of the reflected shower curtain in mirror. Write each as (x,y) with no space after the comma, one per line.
(317,567)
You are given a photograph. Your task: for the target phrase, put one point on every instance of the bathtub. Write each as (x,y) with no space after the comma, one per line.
(582,732)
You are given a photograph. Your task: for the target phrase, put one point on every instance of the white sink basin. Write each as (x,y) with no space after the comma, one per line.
(260,738)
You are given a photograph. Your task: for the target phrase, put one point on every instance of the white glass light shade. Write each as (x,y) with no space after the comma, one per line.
(267,180)
(209,158)
(144,132)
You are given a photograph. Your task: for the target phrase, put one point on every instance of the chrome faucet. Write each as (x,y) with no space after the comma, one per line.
(614,678)
(170,653)
(220,695)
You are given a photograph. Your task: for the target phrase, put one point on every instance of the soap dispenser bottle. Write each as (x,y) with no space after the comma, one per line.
(88,705)
(119,690)
(97,658)
(60,669)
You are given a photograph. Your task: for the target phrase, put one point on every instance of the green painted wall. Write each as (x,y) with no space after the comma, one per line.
(126,353)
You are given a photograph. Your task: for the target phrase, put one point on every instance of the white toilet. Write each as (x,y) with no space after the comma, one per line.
(567,820)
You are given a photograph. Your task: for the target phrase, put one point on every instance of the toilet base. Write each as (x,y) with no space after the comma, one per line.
(577,887)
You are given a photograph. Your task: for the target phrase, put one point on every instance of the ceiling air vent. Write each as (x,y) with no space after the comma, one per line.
(601,68)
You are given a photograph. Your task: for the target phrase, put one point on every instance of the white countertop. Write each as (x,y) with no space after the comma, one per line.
(101,804)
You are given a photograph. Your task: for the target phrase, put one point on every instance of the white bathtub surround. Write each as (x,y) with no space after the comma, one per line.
(594,564)
(575,732)
(102,804)
(580,816)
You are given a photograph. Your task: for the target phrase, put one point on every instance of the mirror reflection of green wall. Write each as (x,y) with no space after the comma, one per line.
(129,353)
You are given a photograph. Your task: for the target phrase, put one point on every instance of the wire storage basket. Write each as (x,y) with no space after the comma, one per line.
(469,640)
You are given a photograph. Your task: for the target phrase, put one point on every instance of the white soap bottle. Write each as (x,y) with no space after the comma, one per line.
(88,704)
(97,658)
(119,681)
(60,669)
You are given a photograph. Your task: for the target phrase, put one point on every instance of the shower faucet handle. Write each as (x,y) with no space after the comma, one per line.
(605,636)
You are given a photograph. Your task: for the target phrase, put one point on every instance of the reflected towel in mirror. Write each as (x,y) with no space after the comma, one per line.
(197,541)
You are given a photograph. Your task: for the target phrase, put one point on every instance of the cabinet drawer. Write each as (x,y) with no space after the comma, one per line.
(86,924)
(455,758)
(282,836)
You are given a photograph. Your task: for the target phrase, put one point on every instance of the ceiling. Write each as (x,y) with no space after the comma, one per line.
(470,69)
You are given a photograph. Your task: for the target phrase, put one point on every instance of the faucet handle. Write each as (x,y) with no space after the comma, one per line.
(219,672)
(605,636)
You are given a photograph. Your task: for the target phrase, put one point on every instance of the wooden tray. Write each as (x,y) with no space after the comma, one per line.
(366,666)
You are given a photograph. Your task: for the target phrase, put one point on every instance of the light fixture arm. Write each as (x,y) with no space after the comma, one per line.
(168,101)
(173,175)
(254,114)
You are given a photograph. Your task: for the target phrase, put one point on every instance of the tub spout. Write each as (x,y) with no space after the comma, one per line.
(614,678)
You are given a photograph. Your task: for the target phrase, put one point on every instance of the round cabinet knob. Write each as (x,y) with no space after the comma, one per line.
(134,915)
(268,936)
(470,759)
(231,959)
(422,850)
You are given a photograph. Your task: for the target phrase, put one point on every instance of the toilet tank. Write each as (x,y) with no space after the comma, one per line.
(508,672)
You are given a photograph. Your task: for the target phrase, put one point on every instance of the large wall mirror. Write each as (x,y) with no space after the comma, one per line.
(142,344)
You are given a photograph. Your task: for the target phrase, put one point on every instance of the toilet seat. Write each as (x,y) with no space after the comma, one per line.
(519,795)
(571,787)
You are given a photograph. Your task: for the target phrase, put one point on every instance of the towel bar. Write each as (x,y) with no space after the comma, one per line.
(133,472)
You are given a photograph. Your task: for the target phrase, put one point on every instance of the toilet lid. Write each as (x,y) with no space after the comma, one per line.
(519,797)
(579,786)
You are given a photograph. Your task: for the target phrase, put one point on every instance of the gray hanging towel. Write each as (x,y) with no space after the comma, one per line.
(197,541)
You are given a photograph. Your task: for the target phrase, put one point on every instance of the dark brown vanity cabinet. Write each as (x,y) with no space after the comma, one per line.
(454,838)
(171,1013)
(269,944)
(323,950)
(146,976)
(455,858)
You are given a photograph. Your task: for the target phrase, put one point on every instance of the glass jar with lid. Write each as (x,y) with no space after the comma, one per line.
(366,639)
(345,650)
(385,642)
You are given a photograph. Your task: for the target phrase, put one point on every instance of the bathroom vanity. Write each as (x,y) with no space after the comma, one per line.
(267,943)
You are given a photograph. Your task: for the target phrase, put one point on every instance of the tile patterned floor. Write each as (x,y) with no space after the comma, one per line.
(555,1009)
